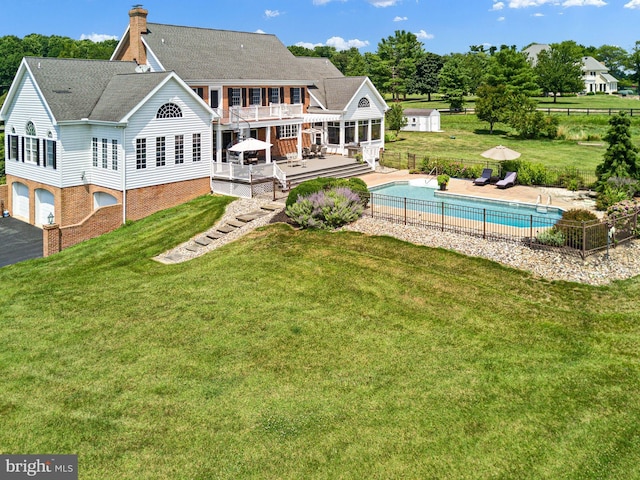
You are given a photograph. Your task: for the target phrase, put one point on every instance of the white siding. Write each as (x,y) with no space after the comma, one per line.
(30,106)
(375,110)
(105,177)
(144,124)
(75,154)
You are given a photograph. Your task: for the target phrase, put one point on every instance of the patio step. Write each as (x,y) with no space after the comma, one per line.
(226,228)
(203,241)
(236,223)
(215,235)
(272,207)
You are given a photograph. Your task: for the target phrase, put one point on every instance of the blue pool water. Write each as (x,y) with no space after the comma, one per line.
(473,208)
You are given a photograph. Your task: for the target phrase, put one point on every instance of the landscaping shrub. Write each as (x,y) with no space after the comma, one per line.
(551,237)
(571,226)
(615,190)
(453,168)
(529,173)
(305,189)
(571,179)
(326,209)
(623,216)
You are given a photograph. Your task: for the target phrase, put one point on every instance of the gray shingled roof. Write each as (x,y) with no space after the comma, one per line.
(339,91)
(123,93)
(207,54)
(591,64)
(73,87)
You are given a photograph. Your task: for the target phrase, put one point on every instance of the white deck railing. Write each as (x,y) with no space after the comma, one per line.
(256,113)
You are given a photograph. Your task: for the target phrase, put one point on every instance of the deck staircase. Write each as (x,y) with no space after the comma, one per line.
(338,171)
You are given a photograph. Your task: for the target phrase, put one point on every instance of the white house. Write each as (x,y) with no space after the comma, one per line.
(80,135)
(594,73)
(422,120)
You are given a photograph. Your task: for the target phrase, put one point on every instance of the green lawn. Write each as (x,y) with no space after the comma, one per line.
(300,354)
(582,147)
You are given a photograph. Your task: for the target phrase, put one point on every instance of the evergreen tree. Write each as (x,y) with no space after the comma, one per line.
(620,160)
(395,119)
(512,69)
(400,53)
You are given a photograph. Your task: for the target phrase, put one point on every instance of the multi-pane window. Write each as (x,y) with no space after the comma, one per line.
(199,91)
(169,110)
(349,132)
(31,144)
(161,152)
(236,97)
(296,96)
(105,156)
(255,97)
(333,133)
(114,155)
(274,95)
(197,147)
(50,153)
(376,129)
(179,149)
(363,131)
(288,131)
(94,148)
(141,153)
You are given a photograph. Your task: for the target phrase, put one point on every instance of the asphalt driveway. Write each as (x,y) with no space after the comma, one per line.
(18,241)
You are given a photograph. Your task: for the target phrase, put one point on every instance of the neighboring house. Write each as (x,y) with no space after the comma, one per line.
(595,74)
(84,134)
(260,89)
(422,120)
(151,128)
(596,77)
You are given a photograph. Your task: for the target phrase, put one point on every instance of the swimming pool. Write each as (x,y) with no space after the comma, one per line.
(422,196)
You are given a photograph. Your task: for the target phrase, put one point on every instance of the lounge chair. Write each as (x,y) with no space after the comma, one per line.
(484,178)
(508,181)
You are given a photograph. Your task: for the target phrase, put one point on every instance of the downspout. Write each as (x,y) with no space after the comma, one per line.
(124,176)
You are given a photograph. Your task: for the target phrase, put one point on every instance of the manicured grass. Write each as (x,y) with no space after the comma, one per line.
(299,354)
(582,149)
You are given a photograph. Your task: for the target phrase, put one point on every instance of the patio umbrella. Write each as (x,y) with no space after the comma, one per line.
(250,145)
(312,130)
(500,153)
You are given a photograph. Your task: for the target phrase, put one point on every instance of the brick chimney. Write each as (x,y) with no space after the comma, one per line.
(137,27)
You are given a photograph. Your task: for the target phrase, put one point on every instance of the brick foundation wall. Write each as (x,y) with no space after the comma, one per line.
(51,240)
(103,220)
(4,197)
(142,202)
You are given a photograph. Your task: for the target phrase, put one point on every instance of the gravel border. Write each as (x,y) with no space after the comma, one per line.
(597,269)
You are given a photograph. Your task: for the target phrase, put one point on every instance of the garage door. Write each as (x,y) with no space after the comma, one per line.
(21,200)
(44,206)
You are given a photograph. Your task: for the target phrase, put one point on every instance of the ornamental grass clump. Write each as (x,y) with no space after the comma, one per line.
(326,209)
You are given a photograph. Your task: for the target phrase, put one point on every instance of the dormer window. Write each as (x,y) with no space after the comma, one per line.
(364,103)
(169,110)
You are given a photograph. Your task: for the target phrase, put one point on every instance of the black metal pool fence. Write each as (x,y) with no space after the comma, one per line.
(535,231)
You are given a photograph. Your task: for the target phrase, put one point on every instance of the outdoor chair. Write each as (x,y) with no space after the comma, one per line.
(315,149)
(323,151)
(306,153)
(484,178)
(508,181)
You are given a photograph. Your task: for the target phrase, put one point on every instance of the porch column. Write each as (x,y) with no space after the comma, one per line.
(300,140)
(267,153)
(218,134)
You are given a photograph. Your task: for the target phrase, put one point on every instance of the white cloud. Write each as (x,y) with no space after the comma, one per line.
(324,2)
(529,3)
(384,3)
(632,4)
(425,35)
(308,45)
(497,6)
(584,3)
(260,31)
(341,44)
(501,19)
(97,37)
(400,19)
(271,13)
(538,15)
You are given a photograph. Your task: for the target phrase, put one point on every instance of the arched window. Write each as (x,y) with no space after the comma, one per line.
(364,103)
(169,110)
(31,129)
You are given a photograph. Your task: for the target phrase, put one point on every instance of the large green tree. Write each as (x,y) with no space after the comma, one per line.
(614,58)
(512,69)
(395,119)
(426,78)
(492,105)
(454,80)
(633,64)
(559,69)
(400,53)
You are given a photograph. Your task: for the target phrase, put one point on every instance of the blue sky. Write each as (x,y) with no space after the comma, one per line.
(443,26)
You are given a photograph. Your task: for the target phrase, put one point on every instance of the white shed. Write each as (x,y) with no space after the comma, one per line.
(422,120)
